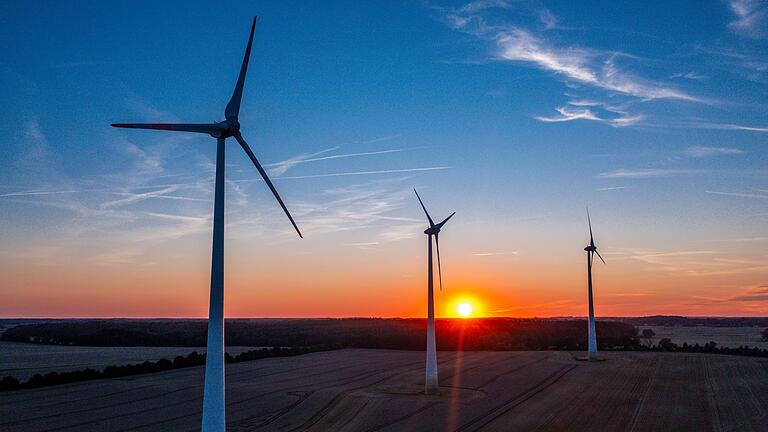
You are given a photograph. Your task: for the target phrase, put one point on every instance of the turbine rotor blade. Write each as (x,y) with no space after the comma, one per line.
(440,225)
(233,107)
(589,221)
(207,128)
(600,256)
(264,175)
(431,223)
(439,267)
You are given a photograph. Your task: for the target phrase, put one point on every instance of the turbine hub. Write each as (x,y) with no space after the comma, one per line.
(234,125)
(431,230)
(590,248)
(227,128)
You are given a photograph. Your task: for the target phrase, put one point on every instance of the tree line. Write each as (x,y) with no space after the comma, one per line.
(192,359)
(404,334)
(666,345)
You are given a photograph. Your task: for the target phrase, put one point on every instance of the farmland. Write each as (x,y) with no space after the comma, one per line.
(732,337)
(22,360)
(379,390)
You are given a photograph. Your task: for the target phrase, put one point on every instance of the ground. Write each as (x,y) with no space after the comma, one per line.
(22,360)
(378,390)
(732,337)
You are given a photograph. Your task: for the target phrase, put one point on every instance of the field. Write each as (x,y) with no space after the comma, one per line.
(732,337)
(22,360)
(378,390)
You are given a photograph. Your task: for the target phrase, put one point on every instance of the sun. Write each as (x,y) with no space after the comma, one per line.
(464,309)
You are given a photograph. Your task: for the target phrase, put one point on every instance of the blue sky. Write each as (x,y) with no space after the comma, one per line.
(517,115)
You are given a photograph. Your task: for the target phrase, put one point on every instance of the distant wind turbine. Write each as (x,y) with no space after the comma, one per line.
(591,251)
(431,385)
(213,395)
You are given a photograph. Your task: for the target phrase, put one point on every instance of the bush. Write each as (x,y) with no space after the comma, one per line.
(9,383)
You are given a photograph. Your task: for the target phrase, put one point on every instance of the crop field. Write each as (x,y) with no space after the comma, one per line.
(22,360)
(379,390)
(732,337)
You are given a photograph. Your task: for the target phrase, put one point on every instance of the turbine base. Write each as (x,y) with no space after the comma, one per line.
(431,387)
(588,359)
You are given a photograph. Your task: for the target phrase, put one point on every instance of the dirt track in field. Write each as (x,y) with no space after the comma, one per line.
(378,390)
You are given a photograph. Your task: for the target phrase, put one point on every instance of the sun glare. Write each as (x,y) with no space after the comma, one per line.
(464,309)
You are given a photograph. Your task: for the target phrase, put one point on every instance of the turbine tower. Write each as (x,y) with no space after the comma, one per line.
(214,408)
(591,250)
(430,383)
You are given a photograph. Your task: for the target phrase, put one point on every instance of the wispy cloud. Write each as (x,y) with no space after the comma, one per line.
(724,126)
(748,294)
(738,194)
(374,206)
(750,17)
(610,188)
(645,173)
(582,65)
(37,192)
(548,19)
(362,244)
(134,197)
(579,64)
(550,305)
(694,263)
(729,271)
(567,113)
(280,168)
(738,240)
(701,151)
(689,75)
(374,172)
(180,218)
(487,254)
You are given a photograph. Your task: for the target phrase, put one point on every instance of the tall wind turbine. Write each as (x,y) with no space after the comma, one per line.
(430,383)
(591,250)
(213,395)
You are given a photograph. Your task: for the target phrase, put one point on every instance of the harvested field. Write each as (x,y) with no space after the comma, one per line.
(379,390)
(732,337)
(22,360)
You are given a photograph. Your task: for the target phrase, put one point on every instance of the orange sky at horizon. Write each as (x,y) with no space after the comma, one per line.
(357,283)
(518,127)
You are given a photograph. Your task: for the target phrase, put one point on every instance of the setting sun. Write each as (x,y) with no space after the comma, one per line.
(464,309)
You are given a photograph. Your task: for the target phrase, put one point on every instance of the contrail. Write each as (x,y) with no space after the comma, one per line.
(392,171)
(31,193)
(340,156)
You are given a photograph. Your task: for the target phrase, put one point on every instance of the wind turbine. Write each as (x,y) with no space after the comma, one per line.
(430,383)
(213,394)
(591,250)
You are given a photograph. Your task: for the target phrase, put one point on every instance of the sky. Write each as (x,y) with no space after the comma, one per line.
(516,115)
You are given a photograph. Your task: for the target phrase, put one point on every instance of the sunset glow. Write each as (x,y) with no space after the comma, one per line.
(464,309)
(517,125)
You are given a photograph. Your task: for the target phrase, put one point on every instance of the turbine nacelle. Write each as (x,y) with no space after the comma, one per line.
(434,230)
(227,128)
(591,248)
